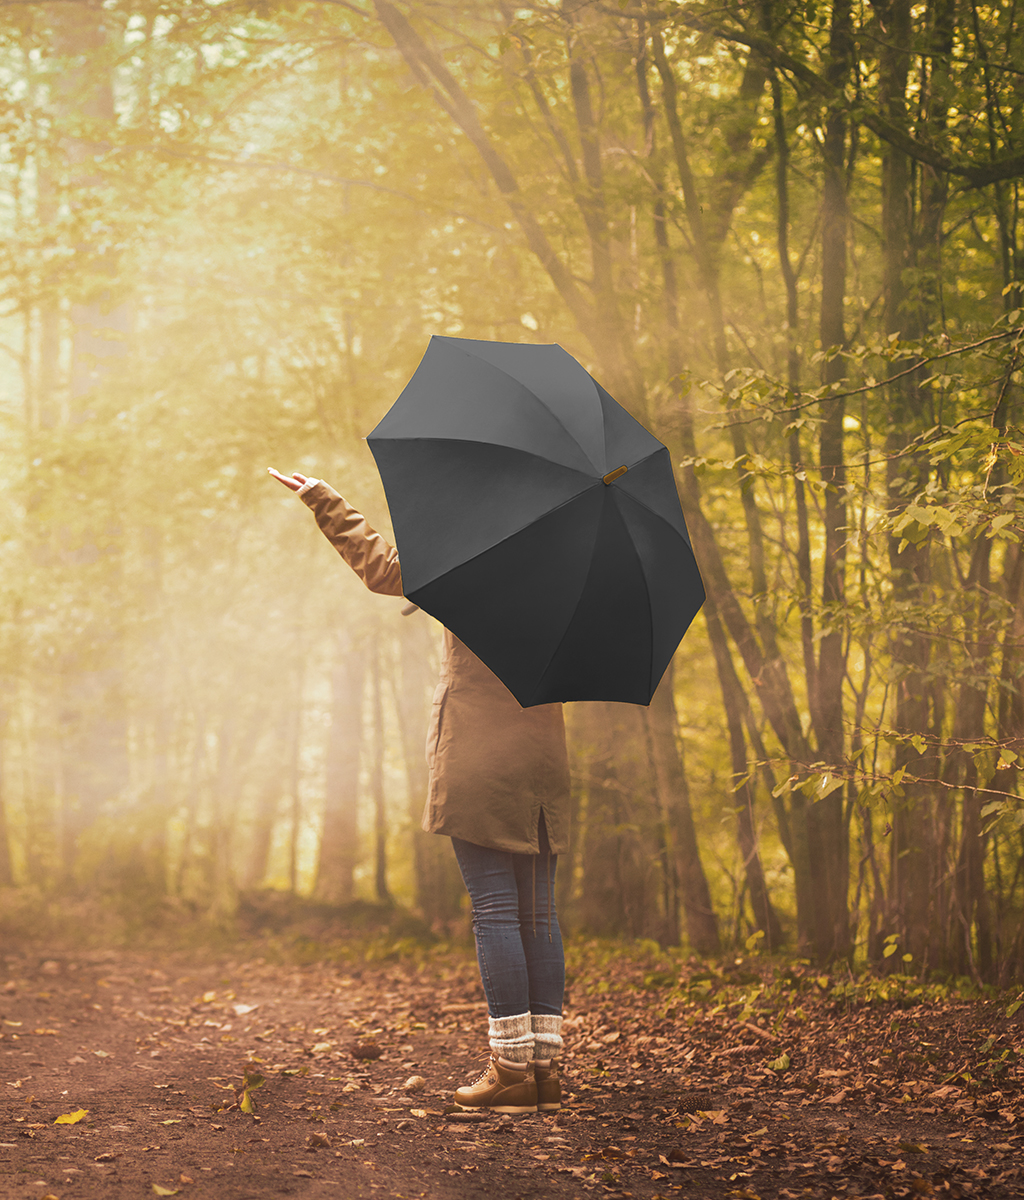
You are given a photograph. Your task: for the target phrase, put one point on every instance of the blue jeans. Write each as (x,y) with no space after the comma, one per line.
(518,942)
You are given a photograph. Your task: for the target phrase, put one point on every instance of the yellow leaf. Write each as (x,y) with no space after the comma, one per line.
(72,1118)
(162,1191)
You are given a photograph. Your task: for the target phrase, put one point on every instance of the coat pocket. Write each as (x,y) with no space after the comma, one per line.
(434,725)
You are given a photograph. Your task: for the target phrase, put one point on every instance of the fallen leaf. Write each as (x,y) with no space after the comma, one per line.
(415,1083)
(750,1027)
(417,1112)
(101,1054)
(242,1010)
(366,1050)
(162,1191)
(72,1118)
(250,1082)
(106,1156)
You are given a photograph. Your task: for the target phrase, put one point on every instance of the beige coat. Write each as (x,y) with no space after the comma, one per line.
(494,766)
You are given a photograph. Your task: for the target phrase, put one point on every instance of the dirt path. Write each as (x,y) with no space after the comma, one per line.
(151,1047)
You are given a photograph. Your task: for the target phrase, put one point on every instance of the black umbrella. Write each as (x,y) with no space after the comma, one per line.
(538,521)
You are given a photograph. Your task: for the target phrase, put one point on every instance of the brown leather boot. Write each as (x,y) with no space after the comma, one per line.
(549,1085)
(502,1088)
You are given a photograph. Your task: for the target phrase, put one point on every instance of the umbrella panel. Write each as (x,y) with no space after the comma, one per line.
(652,484)
(672,580)
(627,440)
(452,500)
(459,396)
(609,636)
(512,604)
(558,380)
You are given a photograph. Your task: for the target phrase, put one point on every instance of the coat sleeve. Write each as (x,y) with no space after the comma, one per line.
(358,543)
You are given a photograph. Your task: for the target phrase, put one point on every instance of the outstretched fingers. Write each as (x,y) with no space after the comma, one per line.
(294,481)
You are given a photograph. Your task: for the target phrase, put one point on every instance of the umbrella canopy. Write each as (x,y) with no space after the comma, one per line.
(538,521)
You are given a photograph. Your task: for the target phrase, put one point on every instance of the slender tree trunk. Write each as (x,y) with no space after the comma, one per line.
(339,842)
(439,886)
(827,828)
(684,866)
(734,702)
(622,887)
(222,819)
(913,851)
(970,901)
(294,779)
(377,789)
(6,863)
(93,706)
(268,801)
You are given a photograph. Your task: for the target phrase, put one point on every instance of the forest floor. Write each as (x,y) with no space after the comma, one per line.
(123,1073)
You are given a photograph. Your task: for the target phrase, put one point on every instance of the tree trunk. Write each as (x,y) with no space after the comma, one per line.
(827,828)
(735,702)
(377,789)
(439,886)
(339,842)
(6,863)
(622,888)
(913,853)
(684,866)
(93,709)
(268,802)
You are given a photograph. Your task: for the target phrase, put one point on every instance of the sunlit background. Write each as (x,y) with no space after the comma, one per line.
(229,231)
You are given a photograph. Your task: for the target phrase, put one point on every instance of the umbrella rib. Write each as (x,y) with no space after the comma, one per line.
(572,616)
(643,574)
(654,513)
(553,414)
(647,590)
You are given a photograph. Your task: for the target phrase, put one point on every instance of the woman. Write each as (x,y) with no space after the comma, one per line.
(499,788)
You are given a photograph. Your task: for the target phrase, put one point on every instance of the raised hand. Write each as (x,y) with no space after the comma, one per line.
(293,481)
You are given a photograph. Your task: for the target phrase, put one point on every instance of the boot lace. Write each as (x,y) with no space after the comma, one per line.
(484,1073)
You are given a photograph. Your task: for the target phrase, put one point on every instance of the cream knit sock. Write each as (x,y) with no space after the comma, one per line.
(547,1035)
(511,1038)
